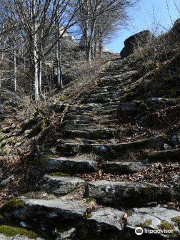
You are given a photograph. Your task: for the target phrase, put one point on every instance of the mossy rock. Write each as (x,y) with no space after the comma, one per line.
(6,150)
(58,174)
(176,220)
(62,98)
(46,157)
(2,136)
(11,205)
(43,125)
(90,199)
(165,226)
(13,231)
(146,224)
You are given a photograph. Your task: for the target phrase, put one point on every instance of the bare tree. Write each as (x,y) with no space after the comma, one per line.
(37,21)
(97,19)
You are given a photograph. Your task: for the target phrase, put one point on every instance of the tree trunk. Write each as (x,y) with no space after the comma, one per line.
(40,76)
(0,96)
(58,58)
(35,53)
(100,47)
(15,70)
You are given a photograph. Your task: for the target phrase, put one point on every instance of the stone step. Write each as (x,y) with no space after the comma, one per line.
(92,106)
(107,223)
(59,186)
(71,165)
(112,94)
(46,210)
(89,118)
(89,133)
(105,89)
(157,219)
(111,150)
(122,168)
(86,126)
(17,237)
(92,111)
(172,155)
(103,224)
(102,100)
(89,122)
(127,193)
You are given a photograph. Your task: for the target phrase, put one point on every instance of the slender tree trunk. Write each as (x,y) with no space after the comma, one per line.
(40,76)
(36,74)
(100,47)
(0,96)
(35,53)
(58,58)
(15,70)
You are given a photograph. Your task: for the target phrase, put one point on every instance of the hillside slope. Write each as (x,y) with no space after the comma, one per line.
(110,153)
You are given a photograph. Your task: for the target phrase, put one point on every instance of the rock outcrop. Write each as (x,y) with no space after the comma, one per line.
(136,41)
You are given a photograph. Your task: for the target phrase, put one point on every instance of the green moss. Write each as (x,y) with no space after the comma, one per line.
(6,150)
(9,140)
(165,226)
(176,220)
(89,215)
(43,125)
(173,92)
(26,133)
(13,231)
(46,157)
(90,199)
(83,232)
(59,174)
(14,203)
(62,98)
(1,137)
(146,224)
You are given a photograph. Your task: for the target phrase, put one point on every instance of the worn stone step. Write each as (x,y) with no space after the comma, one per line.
(102,100)
(92,111)
(89,133)
(111,150)
(59,186)
(172,155)
(16,237)
(104,223)
(156,219)
(127,193)
(89,118)
(92,106)
(108,105)
(122,168)
(112,94)
(107,223)
(46,210)
(87,126)
(105,89)
(88,122)
(70,165)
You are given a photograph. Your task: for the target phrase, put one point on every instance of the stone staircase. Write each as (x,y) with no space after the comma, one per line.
(89,142)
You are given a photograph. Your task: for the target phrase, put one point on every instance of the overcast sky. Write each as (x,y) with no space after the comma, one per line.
(149,14)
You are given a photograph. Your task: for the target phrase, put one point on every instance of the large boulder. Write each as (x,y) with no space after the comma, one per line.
(135,42)
(176,27)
